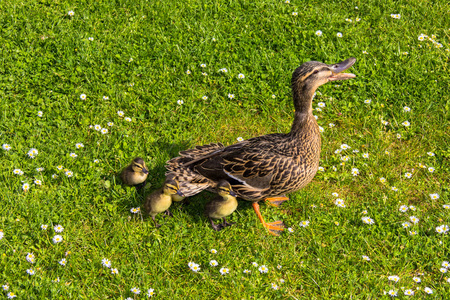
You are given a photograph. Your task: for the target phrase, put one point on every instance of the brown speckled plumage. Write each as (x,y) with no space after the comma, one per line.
(269,165)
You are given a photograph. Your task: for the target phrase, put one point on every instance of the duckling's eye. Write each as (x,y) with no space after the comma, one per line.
(316,71)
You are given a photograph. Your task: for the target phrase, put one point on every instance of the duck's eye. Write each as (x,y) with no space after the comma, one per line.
(316,71)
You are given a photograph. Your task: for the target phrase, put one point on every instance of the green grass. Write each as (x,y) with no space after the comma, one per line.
(47,62)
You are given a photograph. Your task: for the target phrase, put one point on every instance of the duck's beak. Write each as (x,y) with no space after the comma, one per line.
(144,170)
(342,66)
(233,194)
(180,193)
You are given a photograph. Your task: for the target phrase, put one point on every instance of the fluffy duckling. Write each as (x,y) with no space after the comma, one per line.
(222,206)
(135,174)
(160,200)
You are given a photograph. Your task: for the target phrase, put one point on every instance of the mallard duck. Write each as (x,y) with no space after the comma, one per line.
(160,200)
(269,166)
(135,174)
(222,206)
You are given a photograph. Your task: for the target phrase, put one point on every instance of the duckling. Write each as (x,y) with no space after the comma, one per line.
(222,206)
(135,174)
(269,166)
(160,200)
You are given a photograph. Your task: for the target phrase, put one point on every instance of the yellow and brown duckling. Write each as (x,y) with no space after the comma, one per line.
(135,174)
(160,200)
(269,166)
(222,206)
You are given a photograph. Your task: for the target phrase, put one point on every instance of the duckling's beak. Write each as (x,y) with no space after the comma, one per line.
(180,193)
(144,170)
(232,193)
(342,66)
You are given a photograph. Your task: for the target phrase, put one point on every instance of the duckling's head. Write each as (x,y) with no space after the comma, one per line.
(138,166)
(171,186)
(224,189)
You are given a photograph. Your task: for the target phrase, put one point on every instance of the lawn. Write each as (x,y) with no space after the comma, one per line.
(86,87)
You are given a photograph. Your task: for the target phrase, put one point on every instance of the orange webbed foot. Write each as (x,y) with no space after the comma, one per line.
(274,228)
(276,201)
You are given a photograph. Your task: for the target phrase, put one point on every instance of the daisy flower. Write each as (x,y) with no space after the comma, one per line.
(37,182)
(382,179)
(263,269)
(6,147)
(430,153)
(31,272)
(44,226)
(417,279)
(406,123)
(319,33)
(135,210)
(368,220)
(71,13)
(321,129)
(274,286)
(247,271)
(434,196)
(394,189)
(428,290)
(73,155)
(367,101)
(104,131)
(304,223)
(255,264)
(79,145)
(17,172)
(366,258)
(150,292)
(241,76)
(394,278)
(445,264)
(365,52)
(406,109)
(431,169)
(58,228)
(321,104)
(240,139)
(106,263)
(290,230)
(188,72)
(231,96)
(105,98)
(355,172)
(25,187)
(446,206)
(213,263)
(114,271)
(11,295)
(30,258)
(97,127)
(331,125)
(403,208)
(110,124)
(32,153)
(83,96)
(339,34)
(90,39)
(408,175)
(409,292)
(295,13)
(128,119)
(62,262)
(339,203)
(135,291)
(205,97)
(180,102)
(203,65)
(335,194)
(120,113)
(57,239)
(204,74)
(406,224)
(414,219)
(39,114)
(224,271)
(385,123)
(69,173)
(321,169)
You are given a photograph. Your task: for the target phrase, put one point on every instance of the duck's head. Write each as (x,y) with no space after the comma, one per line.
(312,74)
(224,189)
(138,166)
(171,186)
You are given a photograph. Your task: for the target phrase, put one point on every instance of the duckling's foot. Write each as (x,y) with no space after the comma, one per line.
(216,227)
(225,223)
(276,201)
(156,224)
(168,213)
(275,228)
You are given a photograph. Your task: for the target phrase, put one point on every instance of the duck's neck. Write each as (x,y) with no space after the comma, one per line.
(303,95)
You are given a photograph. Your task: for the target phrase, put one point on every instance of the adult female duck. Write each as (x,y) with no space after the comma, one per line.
(269,166)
